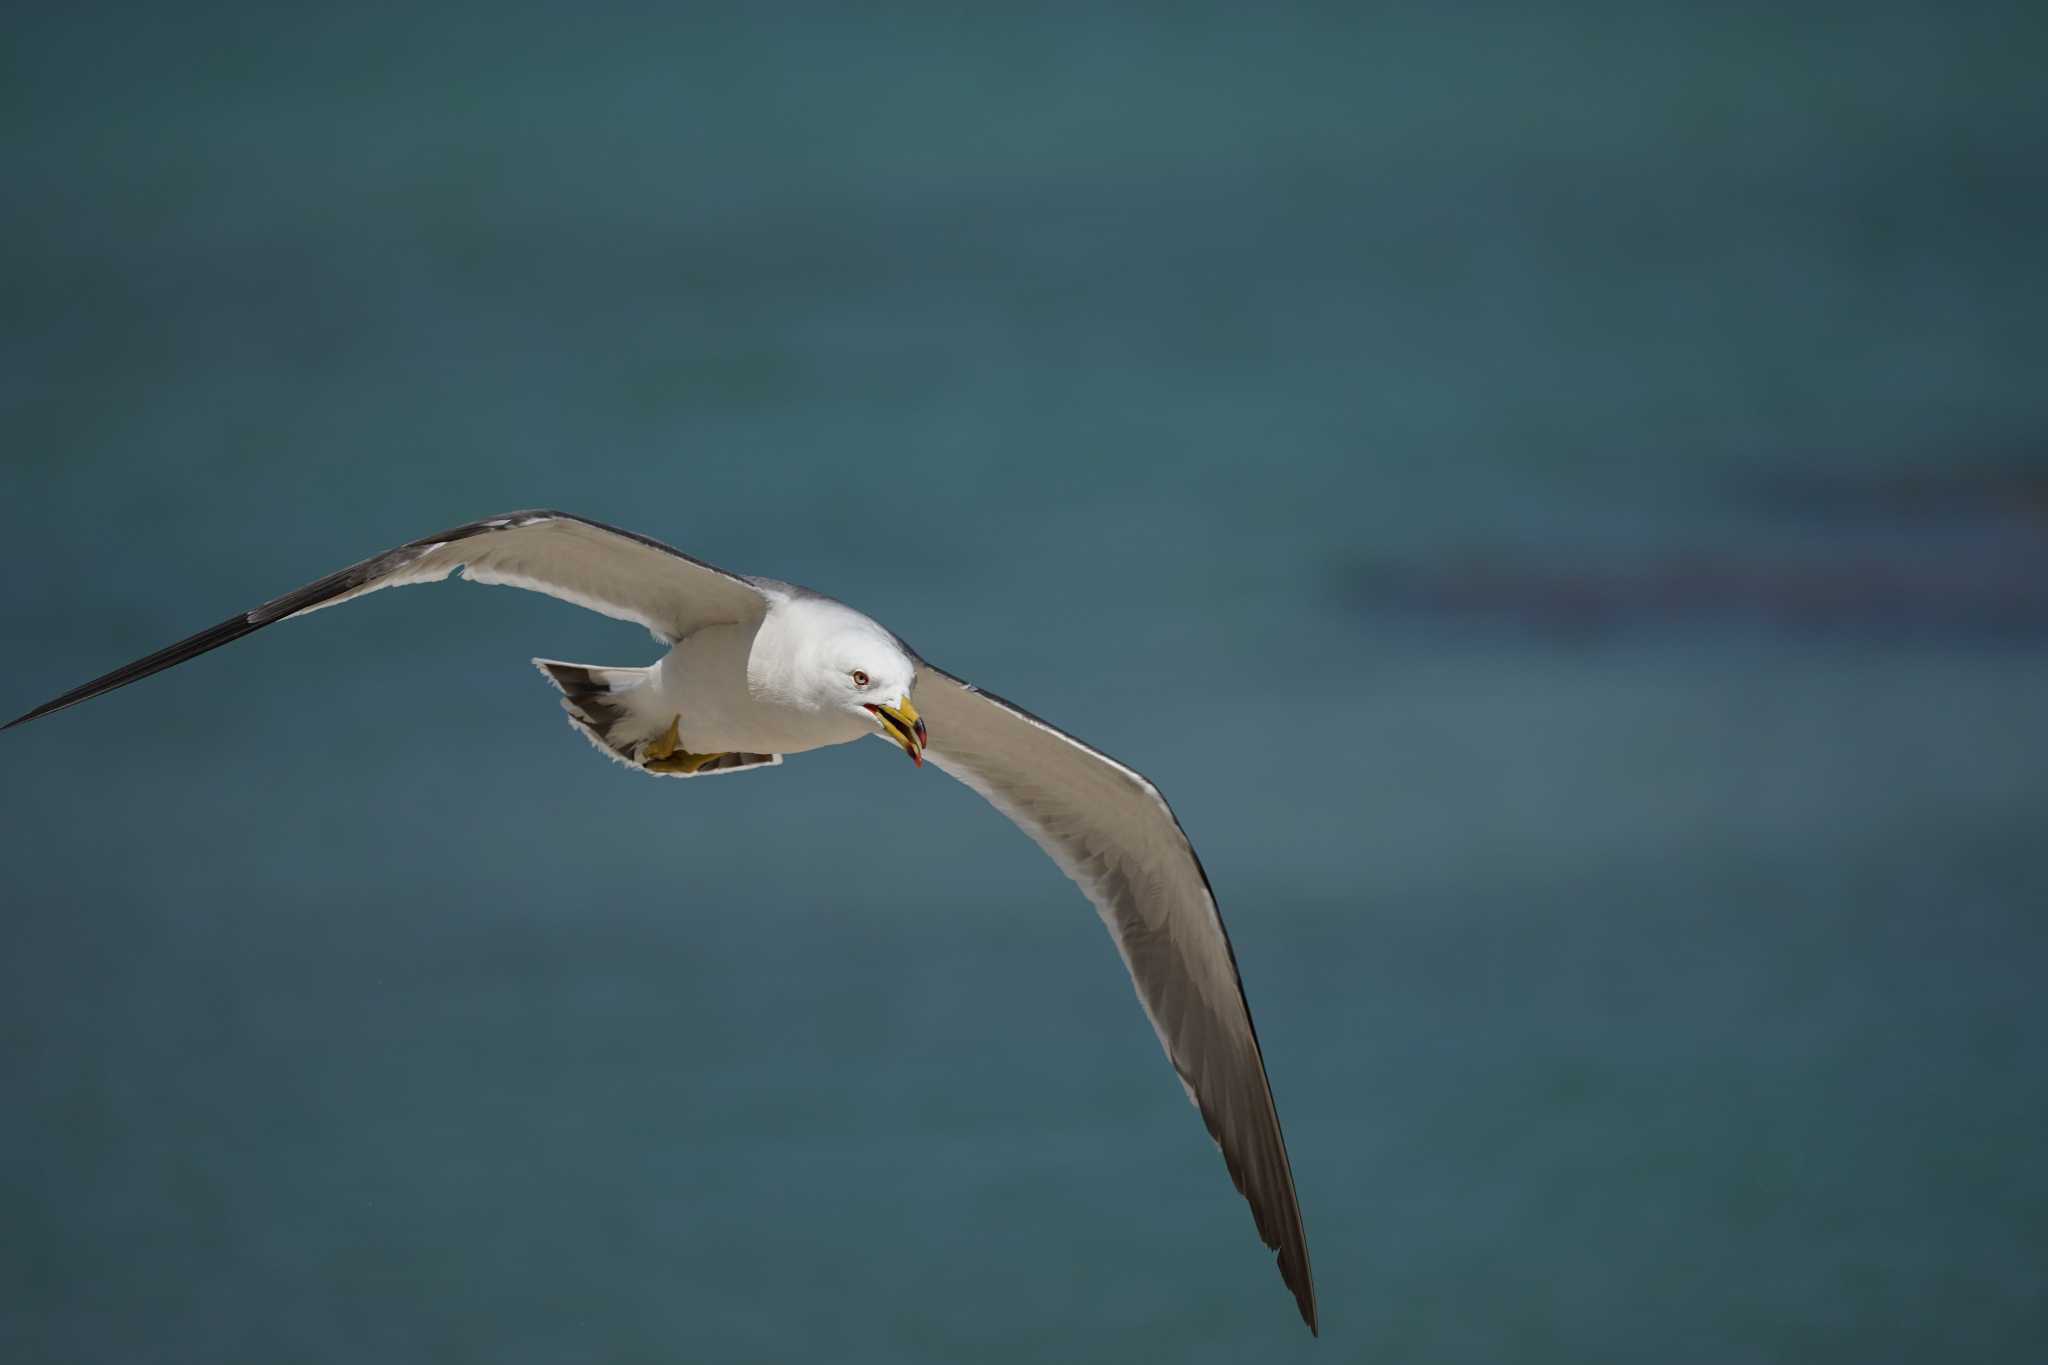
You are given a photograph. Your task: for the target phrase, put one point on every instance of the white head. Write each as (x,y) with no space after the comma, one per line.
(827,658)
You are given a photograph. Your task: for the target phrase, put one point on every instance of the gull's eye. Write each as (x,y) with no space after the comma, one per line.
(860,679)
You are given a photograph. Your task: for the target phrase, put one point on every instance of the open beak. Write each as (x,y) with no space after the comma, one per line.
(902,724)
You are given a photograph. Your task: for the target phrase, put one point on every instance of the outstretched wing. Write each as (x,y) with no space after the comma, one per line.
(600,567)
(1112,832)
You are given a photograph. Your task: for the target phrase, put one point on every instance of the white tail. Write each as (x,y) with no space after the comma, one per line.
(600,704)
(610,708)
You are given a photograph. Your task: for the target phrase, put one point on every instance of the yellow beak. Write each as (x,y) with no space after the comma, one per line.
(902,724)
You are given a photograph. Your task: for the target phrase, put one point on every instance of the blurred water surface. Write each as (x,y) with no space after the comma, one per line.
(1652,981)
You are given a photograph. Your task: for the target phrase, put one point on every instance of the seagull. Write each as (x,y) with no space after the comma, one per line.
(757,669)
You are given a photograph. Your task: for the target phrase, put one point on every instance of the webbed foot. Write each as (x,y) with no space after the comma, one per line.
(665,744)
(665,753)
(681,762)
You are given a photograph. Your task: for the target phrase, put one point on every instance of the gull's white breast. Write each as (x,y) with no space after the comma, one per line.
(720,681)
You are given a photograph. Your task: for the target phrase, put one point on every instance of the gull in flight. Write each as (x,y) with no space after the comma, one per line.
(758,668)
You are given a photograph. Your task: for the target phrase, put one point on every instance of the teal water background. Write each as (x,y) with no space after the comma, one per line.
(1558,498)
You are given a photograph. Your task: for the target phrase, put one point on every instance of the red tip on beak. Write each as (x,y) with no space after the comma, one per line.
(911,736)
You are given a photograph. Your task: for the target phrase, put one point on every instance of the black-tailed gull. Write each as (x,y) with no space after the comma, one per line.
(758,668)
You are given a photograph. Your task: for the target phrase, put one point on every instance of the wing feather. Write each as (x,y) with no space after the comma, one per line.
(1110,830)
(617,573)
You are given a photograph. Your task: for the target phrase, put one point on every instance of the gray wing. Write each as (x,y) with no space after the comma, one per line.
(1112,832)
(600,567)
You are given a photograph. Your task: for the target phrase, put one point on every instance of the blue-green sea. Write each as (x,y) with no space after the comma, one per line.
(1557,497)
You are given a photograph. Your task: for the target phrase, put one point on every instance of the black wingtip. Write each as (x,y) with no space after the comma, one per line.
(45,709)
(1294,1272)
(227,631)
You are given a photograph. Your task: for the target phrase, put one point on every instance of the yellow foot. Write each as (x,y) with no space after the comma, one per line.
(680,762)
(666,743)
(665,753)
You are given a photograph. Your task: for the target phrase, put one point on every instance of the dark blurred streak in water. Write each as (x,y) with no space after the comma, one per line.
(1917,558)
(1986,599)
(1988,499)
